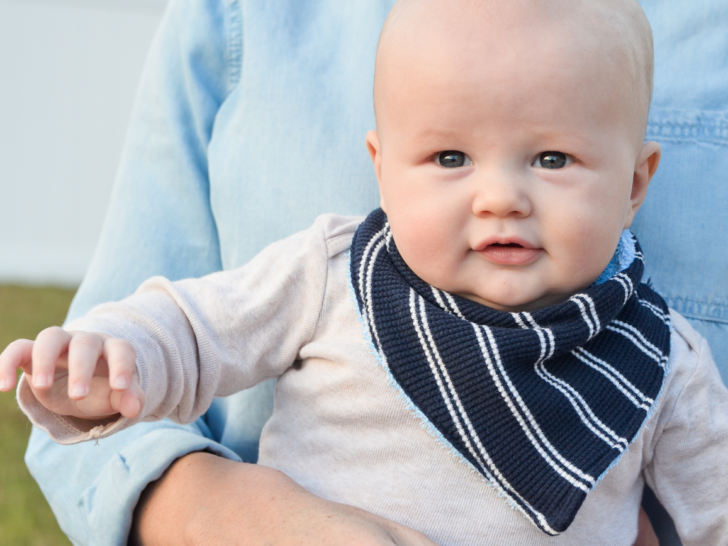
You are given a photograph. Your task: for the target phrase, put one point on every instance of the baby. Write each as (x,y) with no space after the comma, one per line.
(484,341)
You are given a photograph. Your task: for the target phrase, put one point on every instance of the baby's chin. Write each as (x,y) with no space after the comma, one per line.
(518,304)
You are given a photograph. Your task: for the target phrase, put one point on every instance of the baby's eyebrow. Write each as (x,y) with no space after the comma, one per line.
(437,138)
(541,139)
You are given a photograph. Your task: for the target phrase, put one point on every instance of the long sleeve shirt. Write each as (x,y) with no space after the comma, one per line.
(341,430)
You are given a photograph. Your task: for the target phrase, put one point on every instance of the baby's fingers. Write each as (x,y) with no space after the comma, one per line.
(127,396)
(84,352)
(18,354)
(121,358)
(128,402)
(50,344)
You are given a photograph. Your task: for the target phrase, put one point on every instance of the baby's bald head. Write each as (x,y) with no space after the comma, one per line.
(515,121)
(611,39)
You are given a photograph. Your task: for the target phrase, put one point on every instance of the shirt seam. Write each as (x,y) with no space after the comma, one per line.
(699,356)
(325,286)
(671,125)
(708,318)
(234,44)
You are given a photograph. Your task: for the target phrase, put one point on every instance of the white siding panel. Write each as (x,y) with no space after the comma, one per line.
(68,74)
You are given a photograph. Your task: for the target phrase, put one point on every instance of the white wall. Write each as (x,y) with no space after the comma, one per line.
(68,74)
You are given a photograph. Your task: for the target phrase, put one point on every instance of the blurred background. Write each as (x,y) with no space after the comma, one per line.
(68,75)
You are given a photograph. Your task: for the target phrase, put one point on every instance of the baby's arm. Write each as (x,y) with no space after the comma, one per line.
(80,374)
(689,452)
(192,340)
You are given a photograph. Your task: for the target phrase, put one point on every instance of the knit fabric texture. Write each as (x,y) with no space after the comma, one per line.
(541,403)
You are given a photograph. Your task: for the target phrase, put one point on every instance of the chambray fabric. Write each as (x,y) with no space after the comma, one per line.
(250,122)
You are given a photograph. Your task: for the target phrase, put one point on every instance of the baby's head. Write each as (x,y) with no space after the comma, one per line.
(509,144)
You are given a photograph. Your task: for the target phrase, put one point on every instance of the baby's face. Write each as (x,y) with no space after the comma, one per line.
(508,162)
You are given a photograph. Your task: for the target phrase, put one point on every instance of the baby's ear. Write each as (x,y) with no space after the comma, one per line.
(375,152)
(644,170)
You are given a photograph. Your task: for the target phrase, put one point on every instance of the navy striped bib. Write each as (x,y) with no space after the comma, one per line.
(541,403)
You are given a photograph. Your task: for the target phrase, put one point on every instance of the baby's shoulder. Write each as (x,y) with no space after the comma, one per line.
(684,335)
(691,371)
(337,231)
(688,349)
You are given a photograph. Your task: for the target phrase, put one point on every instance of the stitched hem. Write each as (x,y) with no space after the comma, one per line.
(688,125)
(235,45)
(699,310)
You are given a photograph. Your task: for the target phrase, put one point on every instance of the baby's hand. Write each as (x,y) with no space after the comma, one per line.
(82,374)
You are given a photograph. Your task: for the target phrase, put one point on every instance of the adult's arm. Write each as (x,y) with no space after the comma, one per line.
(159,222)
(277,511)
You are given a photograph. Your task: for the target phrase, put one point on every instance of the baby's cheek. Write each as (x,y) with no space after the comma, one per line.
(425,250)
(592,250)
(579,245)
(418,243)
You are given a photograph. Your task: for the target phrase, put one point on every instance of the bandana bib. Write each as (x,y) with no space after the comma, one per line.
(541,403)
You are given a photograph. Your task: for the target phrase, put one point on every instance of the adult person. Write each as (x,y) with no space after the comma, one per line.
(249,123)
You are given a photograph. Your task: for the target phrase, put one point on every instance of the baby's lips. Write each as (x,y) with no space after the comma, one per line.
(503,240)
(510,254)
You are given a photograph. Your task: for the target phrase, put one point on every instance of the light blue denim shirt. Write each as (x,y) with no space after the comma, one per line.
(250,122)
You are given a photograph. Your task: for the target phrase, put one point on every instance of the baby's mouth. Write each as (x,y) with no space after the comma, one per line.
(510,253)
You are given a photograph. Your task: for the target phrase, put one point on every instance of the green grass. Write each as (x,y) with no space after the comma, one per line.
(25,517)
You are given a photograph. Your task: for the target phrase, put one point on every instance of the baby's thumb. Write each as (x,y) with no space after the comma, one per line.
(128,402)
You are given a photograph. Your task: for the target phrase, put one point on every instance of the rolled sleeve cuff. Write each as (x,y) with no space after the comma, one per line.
(100,512)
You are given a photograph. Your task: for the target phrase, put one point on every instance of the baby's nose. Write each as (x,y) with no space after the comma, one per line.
(501,195)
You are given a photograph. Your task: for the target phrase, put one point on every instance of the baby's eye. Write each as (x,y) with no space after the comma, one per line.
(452,159)
(552,160)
